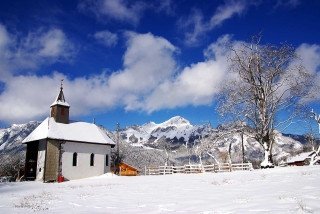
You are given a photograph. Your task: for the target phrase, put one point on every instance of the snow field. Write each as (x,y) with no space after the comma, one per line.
(279,190)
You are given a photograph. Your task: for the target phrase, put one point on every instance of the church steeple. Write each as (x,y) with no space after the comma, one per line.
(60,108)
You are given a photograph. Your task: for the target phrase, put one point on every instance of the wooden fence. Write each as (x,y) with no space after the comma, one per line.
(225,167)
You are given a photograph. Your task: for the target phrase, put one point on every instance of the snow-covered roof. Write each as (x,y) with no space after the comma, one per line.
(60,100)
(74,131)
(301,157)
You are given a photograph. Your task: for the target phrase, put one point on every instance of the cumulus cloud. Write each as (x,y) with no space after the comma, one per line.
(37,48)
(195,27)
(106,38)
(150,80)
(196,84)
(22,99)
(20,93)
(310,56)
(147,62)
(120,10)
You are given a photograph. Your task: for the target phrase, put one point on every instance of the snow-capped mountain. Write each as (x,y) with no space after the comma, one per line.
(182,137)
(11,138)
(176,129)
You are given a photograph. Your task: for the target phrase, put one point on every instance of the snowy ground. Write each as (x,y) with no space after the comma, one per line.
(279,190)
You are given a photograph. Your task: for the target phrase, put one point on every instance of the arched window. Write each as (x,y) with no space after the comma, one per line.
(92,159)
(74,159)
(107,160)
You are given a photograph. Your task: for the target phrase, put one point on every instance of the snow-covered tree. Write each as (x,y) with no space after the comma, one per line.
(316,156)
(189,151)
(12,165)
(266,81)
(166,147)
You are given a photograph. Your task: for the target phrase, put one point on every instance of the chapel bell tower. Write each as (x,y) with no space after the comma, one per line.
(60,108)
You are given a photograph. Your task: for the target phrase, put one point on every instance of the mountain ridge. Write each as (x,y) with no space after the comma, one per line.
(177,132)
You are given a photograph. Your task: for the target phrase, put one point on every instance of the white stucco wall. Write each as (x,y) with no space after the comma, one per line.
(83,168)
(41,160)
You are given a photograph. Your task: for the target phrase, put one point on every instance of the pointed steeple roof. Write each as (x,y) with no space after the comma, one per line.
(60,100)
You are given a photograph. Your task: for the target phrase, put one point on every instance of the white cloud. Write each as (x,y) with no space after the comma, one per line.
(227,11)
(195,28)
(5,54)
(4,38)
(149,81)
(148,61)
(23,97)
(37,48)
(195,85)
(21,94)
(310,56)
(53,44)
(106,38)
(120,10)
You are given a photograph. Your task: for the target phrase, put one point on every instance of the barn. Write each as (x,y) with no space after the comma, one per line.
(60,147)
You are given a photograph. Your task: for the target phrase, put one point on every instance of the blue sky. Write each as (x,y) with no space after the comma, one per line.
(137,61)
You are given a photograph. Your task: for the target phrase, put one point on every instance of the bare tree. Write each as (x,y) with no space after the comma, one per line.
(166,147)
(207,146)
(200,150)
(267,81)
(189,151)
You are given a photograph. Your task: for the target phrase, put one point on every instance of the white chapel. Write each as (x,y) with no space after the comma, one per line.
(60,147)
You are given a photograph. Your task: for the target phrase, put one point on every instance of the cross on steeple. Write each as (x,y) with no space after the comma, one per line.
(61,85)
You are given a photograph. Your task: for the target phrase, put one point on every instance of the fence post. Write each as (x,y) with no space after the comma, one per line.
(145,170)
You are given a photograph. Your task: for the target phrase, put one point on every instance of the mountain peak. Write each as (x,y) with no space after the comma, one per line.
(176,121)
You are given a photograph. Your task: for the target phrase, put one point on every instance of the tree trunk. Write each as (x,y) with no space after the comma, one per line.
(267,162)
(315,157)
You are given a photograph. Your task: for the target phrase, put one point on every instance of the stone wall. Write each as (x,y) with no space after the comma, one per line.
(52,161)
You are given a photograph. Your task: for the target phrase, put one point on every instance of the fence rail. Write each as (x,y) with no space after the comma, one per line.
(225,167)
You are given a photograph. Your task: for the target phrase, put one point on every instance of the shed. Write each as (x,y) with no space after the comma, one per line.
(300,160)
(126,170)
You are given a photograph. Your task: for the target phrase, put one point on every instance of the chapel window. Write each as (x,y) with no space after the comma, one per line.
(92,159)
(75,159)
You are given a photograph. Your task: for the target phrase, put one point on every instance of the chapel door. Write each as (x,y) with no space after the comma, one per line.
(31,160)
